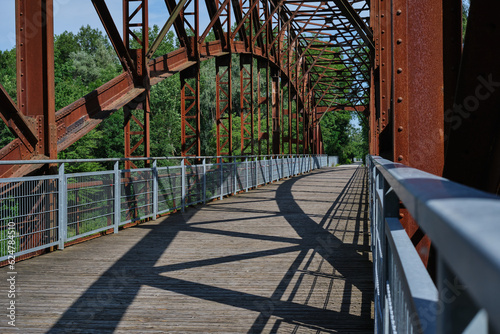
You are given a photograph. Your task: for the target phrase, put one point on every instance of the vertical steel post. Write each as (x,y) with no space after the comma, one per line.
(183,184)
(190,91)
(246,104)
(117,196)
(235,172)
(256,172)
(136,130)
(190,111)
(221,179)
(246,172)
(224,105)
(154,169)
(35,71)
(62,207)
(204,181)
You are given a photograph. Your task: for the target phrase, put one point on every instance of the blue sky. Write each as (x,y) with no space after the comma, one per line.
(72,14)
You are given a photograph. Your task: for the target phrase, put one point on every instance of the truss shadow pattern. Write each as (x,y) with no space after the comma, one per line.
(285,265)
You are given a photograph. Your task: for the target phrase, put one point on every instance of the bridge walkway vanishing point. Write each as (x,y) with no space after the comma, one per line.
(290,257)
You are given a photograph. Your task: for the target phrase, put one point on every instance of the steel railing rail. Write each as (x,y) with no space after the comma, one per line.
(464,226)
(38,212)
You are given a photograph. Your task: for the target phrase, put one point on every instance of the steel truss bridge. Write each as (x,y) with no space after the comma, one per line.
(429,96)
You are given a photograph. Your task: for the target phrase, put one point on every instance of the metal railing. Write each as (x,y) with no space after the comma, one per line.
(464,226)
(43,211)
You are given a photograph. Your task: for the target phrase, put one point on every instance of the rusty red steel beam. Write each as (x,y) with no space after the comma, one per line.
(35,87)
(215,14)
(166,27)
(179,26)
(20,126)
(352,15)
(114,36)
(137,16)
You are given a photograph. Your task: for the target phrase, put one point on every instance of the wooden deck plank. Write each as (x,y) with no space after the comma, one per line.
(291,257)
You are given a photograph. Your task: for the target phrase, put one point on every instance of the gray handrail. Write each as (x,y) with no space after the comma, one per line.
(464,226)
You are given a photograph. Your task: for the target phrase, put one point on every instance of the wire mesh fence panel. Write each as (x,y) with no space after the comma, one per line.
(286,167)
(241,175)
(35,215)
(213,181)
(28,215)
(227,178)
(169,189)
(261,172)
(194,184)
(276,164)
(252,173)
(90,203)
(136,195)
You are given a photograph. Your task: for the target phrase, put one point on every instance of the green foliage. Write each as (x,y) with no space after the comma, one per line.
(465,15)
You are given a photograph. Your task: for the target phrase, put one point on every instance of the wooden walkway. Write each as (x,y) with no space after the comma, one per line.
(291,257)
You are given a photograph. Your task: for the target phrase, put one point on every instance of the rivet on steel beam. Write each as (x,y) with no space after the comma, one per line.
(400,129)
(383,48)
(400,158)
(383,112)
(383,80)
(400,70)
(383,15)
(383,64)
(401,215)
(399,12)
(383,31)
(399,41)
(383,120)
(383,96)
(400,99)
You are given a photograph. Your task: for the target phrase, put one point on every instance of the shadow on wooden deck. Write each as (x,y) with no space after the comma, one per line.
(321,252)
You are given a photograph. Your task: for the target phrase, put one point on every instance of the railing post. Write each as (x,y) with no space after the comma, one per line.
(256,160)
(183,184)
(235,175)
(117,190)
(204,181)
(221,180)
(155,189)
(62,207)
(282,167)
(246,172)
(271,174)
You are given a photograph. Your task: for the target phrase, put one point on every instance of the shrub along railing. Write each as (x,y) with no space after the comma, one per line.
(464,226)
(43,211)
